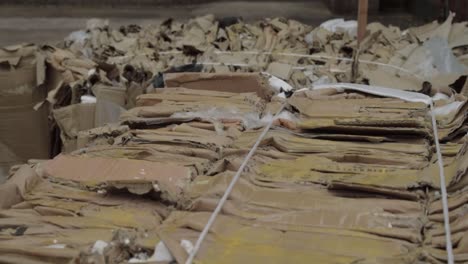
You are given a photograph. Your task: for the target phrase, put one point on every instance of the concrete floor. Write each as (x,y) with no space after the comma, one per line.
(51,24)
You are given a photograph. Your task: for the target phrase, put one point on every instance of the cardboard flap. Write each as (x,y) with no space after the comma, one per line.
(13,191)
(231,82)
(75,118)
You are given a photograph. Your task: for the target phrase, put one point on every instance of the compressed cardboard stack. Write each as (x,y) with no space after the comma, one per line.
(328,184)
(110,68)
(343,176)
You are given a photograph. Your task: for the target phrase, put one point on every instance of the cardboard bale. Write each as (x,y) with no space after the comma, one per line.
(436,242)
(285,194)
(61,222)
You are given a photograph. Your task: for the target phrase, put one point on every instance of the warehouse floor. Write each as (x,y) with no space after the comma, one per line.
(51,24)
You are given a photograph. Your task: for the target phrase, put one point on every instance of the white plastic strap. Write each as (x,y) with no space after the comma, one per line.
(443,189)
(248,65)
(228,191)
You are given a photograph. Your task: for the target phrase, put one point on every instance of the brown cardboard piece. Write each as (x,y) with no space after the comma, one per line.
(246,240)
(61,221)
(100,135)
(183,135)
(199,160)
(280,70)
(15,189)
(232,82)
(207,106)
(137,176)
(72,120)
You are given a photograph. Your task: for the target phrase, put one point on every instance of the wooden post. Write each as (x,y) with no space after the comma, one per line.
(362,27)
(362,19)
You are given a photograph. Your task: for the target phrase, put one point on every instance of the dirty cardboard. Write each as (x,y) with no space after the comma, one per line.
(73,119)
(137,176)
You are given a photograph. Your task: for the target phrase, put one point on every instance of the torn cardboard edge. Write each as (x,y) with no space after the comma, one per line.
(137,176)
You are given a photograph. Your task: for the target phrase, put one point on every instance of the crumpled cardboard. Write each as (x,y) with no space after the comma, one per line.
(105,135)
(72,120)
(133,58)
(280,70)
(196,159)
(24,133)
(49,228)
(15,189)
(435,229)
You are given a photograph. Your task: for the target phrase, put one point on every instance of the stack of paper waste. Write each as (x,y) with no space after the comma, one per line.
(343,176)
(109,68)
(115,66)
(153,122)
